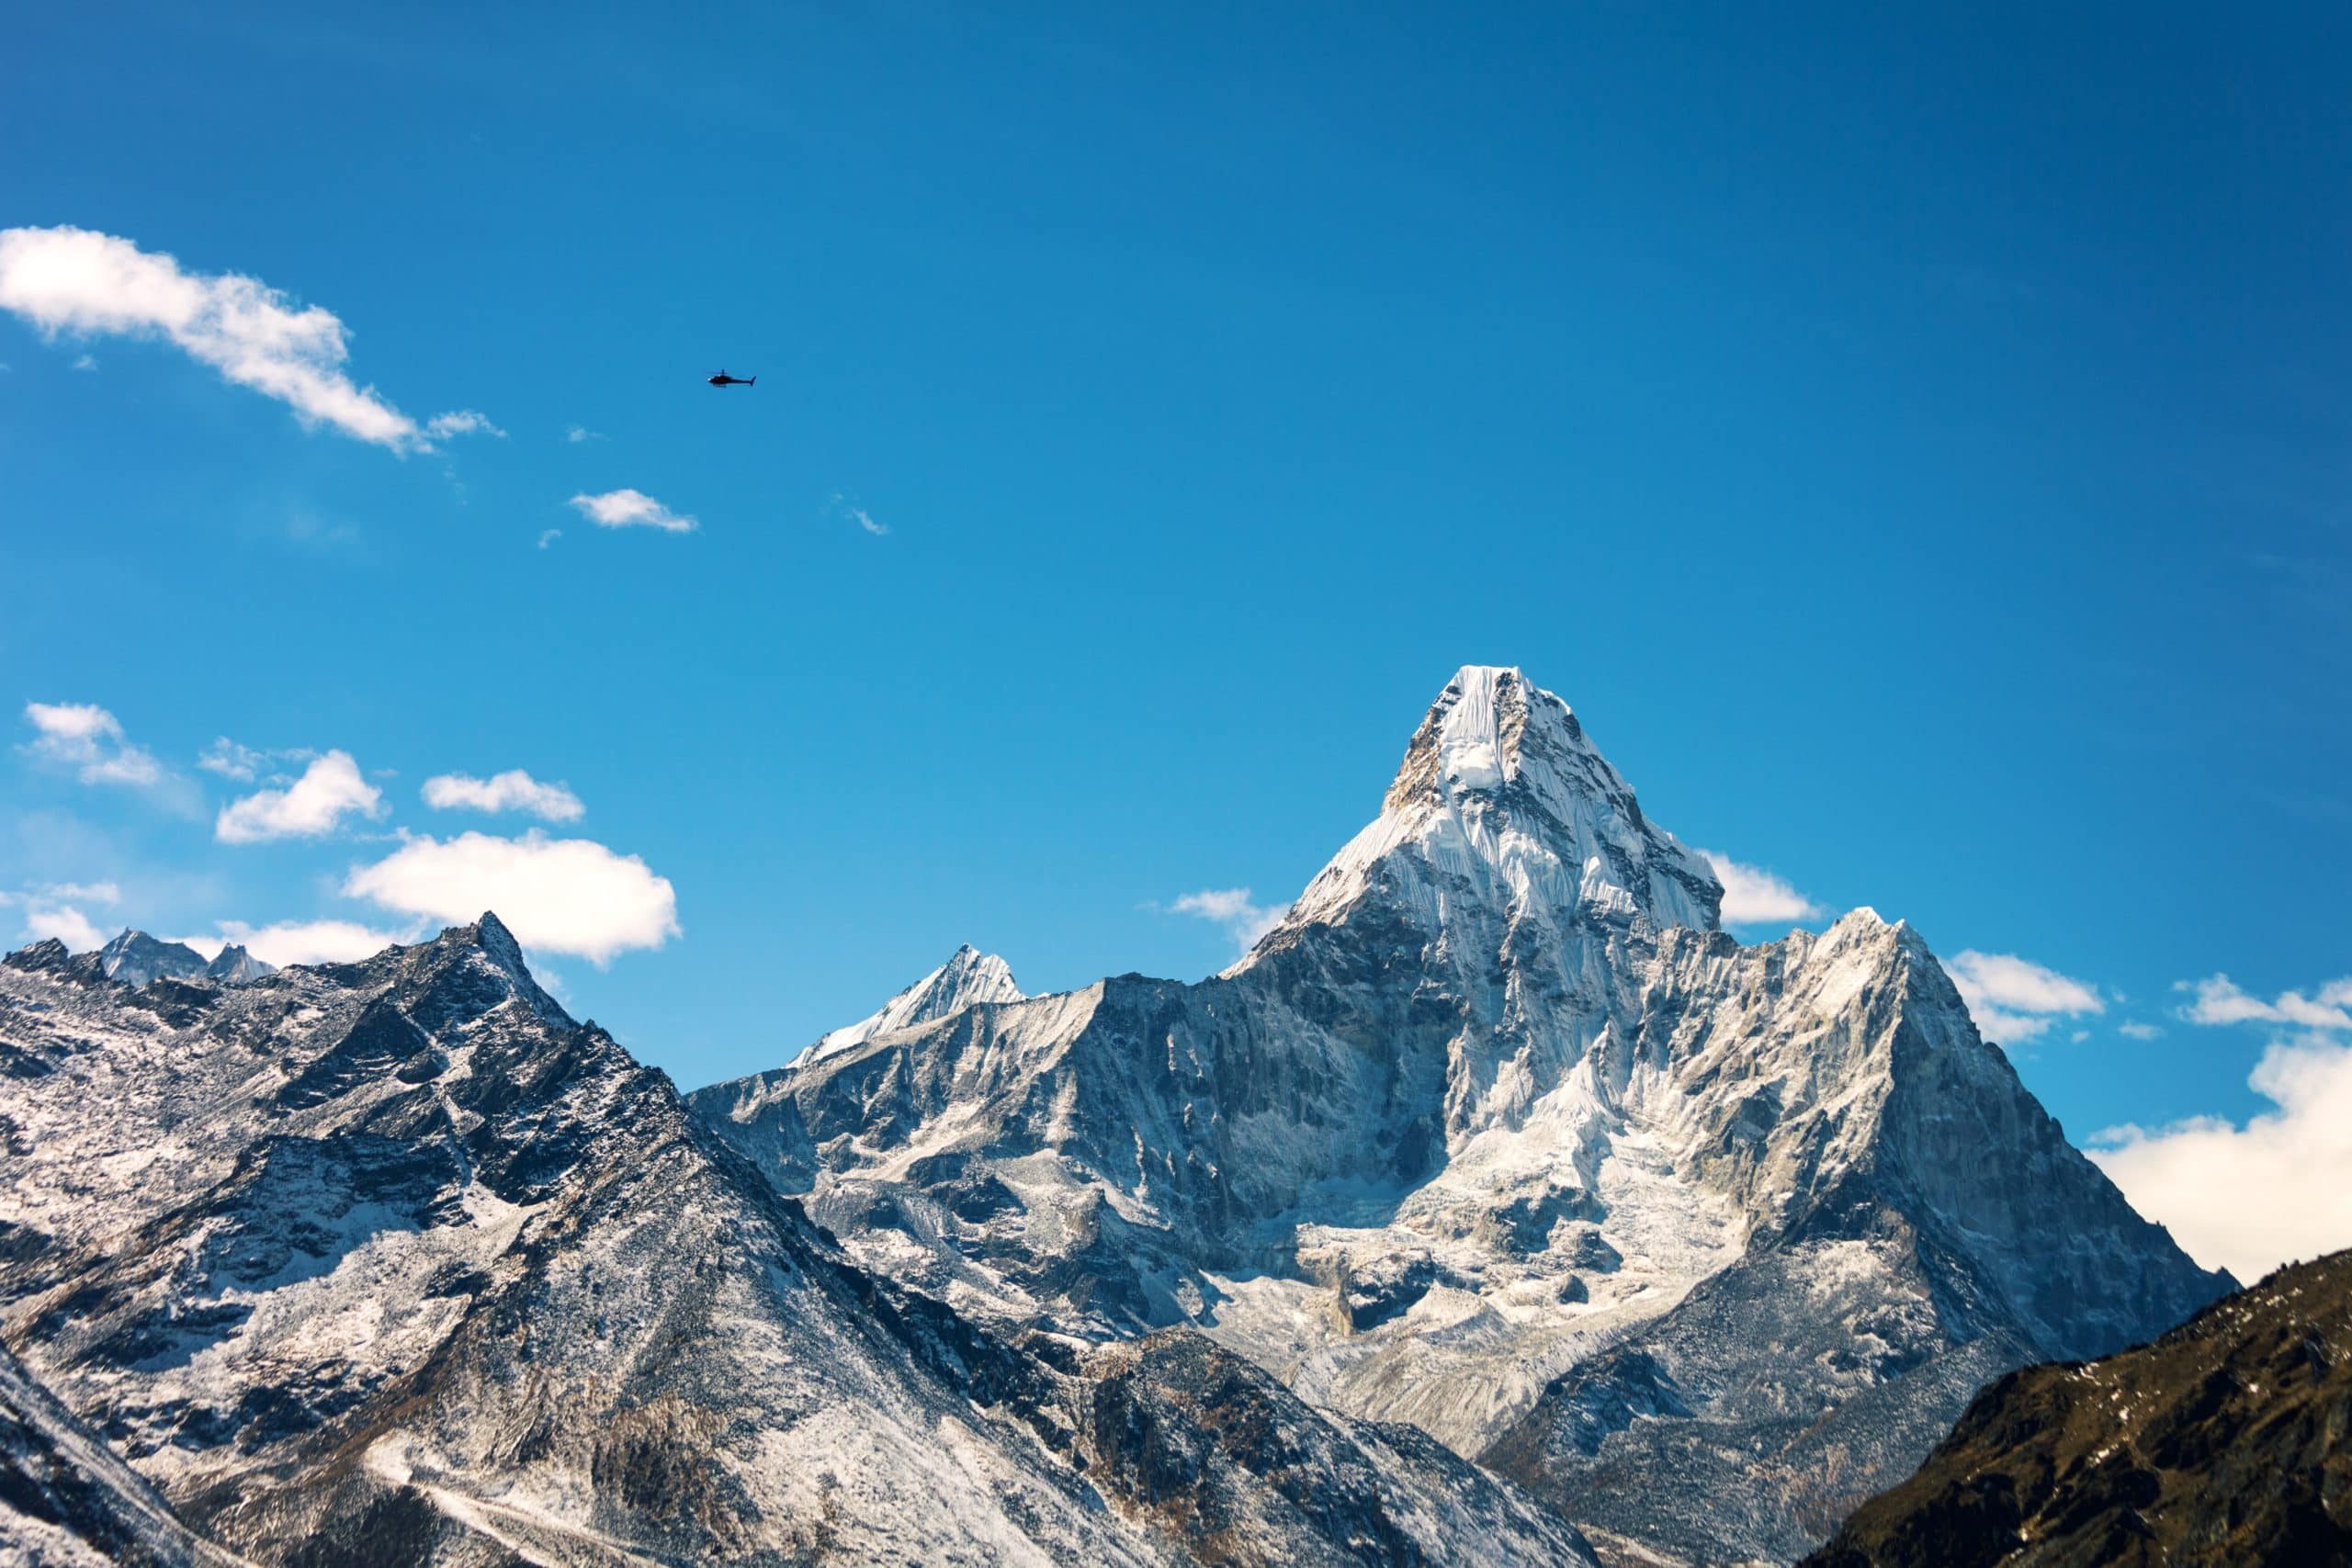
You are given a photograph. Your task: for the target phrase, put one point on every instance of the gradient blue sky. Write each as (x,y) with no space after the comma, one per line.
(1915,440)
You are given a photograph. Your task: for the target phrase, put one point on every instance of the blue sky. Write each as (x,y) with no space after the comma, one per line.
(1914,443)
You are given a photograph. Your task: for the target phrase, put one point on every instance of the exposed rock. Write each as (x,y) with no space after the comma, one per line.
(1495,1116)
(396,1263)
(2227,1440)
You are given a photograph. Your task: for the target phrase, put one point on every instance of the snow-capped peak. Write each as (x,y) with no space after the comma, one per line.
(969,977)
(1476,748)
(1500,786)
(135,958)
(232,965)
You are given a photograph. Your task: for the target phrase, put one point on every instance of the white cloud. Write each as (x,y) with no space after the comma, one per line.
(513,790)
(231,761)
(2217,999)
(81,892)
(87,364)
(246,763)
(302,942)
(2135,1030)
(54,909)
(859,516)
(1754,896)
(2014,1000)
(79,281)
(462,422)
(330,789)
(89,739)
(632,508)
(557,895)
(550,537)
(1233,908)
(2250,1198)
(580,433)
(64,923)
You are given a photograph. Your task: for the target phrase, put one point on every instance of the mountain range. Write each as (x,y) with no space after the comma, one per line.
(395,1262)
(1497,1206)
(1499,1134)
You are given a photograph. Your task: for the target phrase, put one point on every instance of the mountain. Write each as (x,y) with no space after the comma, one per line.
(135,958)
(396,1263)
(969,977)
(233,966)
(67,1501)
(1497,1133)
(2227,1440)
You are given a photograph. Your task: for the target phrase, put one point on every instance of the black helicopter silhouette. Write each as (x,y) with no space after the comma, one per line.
(724,379)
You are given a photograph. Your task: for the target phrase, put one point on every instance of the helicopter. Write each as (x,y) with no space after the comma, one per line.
(724,379)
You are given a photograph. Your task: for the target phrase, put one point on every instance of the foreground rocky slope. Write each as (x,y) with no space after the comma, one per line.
(67,1500)
(396,1263)
(2227,1440)
(2223,1442)
(1498,1135)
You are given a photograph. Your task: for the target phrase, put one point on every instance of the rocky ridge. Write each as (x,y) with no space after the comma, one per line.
(397,1263)
(1497,1133)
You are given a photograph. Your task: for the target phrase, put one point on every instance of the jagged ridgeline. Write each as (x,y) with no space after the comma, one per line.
(1497,1133)
(396,1263)
(1496,1208)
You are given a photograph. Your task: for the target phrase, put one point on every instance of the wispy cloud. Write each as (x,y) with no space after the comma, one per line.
(859,516)
(330,789)
(1754,896)
(580,433)
(2216,999)
(2013,999)
(90,740)
(78,281)
(245,763)
(231,761)
(632,508)
(513,790)
(2135,1030)
(1244,918)
(548,537)
(557,895)
(462,422)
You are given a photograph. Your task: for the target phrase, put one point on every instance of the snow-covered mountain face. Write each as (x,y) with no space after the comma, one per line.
(396,1263)
(1499,1134)
(135,958)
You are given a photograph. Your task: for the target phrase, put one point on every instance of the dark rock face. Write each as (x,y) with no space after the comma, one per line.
(396,1263)
(2227,1440)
